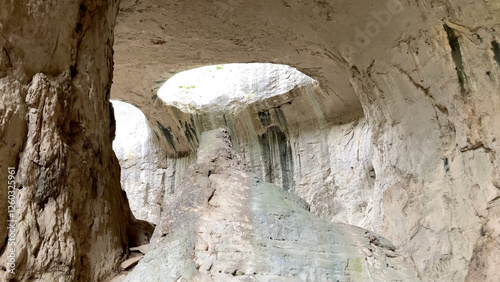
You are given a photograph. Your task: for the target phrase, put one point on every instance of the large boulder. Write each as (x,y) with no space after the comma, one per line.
(225,225)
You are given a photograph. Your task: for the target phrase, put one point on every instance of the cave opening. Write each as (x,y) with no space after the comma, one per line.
(398,136)
(200,99)
(229,87)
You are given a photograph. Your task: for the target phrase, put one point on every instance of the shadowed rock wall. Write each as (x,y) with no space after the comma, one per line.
(56,127)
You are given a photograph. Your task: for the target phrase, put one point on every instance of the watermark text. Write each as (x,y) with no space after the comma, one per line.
(377,21)
(12,220)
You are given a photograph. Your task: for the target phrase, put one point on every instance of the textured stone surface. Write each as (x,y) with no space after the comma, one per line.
(56,125)
(147,175)
(424,157)
(225,226)
(414,83)
(283,138)
(156,40)
(144,171)
(13,133)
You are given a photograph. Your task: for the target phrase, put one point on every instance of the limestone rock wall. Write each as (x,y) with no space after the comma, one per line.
(56,125)
(223,225)
(345,176)
(147,175)
(400,136)
(432,102)
(284,139)
(424,73)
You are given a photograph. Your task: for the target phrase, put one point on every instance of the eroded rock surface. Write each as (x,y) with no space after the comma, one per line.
(284,138)
(408,88)
(73,222)
(423,165)
(147,175)
(144,172)
(224,225)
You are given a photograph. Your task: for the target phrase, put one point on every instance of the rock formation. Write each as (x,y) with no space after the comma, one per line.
(73,222)
(222,225)
(144,173)
(400,137)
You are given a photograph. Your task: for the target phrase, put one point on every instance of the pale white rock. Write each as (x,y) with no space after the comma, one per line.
(334,174)
(223,225)
(369,173)
(145,173)
(284,139)
(426,162)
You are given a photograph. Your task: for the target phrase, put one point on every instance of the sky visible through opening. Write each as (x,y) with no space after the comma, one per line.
(217,87)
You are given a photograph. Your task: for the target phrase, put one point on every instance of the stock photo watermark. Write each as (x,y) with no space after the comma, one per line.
(12,220)
(378,20)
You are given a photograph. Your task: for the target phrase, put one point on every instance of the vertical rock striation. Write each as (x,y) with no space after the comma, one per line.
(421,166)
(57,125)
(432,103)
(147,175)
(283,136)
(223,225)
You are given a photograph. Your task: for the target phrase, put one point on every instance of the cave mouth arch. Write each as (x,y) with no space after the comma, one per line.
(227,95)
(230,87)
(280,120)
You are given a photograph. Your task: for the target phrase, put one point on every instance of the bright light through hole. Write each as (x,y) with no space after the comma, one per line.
(230,86)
